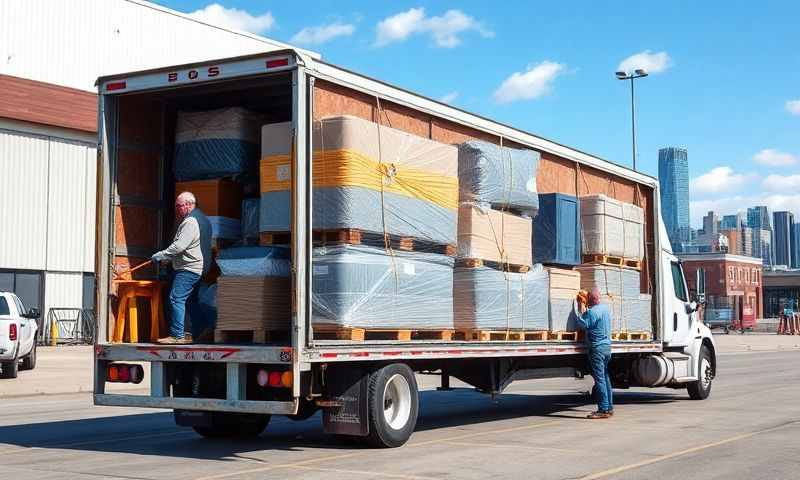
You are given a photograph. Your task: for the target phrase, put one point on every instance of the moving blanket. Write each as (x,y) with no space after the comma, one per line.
(488,299)
(215,143)
(366,177)
(493,235)
(611,227)
(364,287)
(503,178)
(224,227)
(255,261)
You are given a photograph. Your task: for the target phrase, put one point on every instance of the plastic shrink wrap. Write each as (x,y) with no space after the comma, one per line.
(364,287)
(611,227)
(488,299)
(564,286)
(366,177)
(253,261)
(215,143)
(494,236)
(503,178)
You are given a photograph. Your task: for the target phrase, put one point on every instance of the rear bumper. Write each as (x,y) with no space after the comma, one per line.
(8,349)
(199,404)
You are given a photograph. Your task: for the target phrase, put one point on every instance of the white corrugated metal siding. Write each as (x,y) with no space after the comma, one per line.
(62,290)
(23,200)
(69,187)
(90,207)
(71,43)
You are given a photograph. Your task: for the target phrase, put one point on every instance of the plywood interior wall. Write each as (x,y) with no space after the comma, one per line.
(555,174)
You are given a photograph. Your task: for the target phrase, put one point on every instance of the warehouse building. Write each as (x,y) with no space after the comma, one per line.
(51,53)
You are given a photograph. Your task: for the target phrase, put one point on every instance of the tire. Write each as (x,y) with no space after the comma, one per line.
(393,402)
(701,389)
(232,425)
(29,360)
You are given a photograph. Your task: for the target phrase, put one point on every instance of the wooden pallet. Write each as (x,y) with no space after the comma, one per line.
(479,262)
(613,261)
(352,236)
(565,335)
(335,332)
(622,336)
(258,335)
(500,335)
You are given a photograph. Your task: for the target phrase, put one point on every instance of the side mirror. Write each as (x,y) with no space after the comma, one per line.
(692,307)
(32,313)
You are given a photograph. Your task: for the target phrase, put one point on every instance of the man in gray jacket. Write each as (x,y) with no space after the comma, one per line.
(190,254)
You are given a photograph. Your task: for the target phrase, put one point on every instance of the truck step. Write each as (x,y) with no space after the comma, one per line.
(622,336)
(337,332)
(501,335)
(354,236)
(256,335)
(479,262)
(613,261)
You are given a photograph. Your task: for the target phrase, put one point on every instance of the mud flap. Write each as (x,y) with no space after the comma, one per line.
(348,389)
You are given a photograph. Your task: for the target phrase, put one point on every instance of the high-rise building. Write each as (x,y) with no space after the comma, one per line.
(762,246)
(782,237)
(673,176)
(733,222)
(711,224)
(759,217)
(796,245)
(747,242)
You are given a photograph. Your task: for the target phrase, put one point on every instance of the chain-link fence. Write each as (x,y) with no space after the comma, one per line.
(67,326)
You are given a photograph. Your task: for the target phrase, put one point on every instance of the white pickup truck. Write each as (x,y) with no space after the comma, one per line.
(18,330)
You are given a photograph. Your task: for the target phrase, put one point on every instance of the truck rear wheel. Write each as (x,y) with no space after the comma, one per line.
(393,406)
(229,425)
(700,389)
(29,360)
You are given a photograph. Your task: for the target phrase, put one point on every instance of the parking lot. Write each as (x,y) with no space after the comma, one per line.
(747,429)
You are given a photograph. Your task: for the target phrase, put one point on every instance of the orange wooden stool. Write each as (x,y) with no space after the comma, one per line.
(128,291)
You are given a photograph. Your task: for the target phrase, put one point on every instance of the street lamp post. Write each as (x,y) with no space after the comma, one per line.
(638,73)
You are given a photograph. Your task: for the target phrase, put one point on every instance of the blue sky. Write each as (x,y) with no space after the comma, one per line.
(725,75)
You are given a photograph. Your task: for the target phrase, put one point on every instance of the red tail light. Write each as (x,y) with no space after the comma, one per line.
(274,379)
(12,331)
(123,373)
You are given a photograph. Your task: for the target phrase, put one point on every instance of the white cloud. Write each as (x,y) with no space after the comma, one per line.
(533,83)
(720,180)
(449,98)
(652,62)
(774,158)
(323,33)
(793,107)
(781,183)
(233,18)
(445,30)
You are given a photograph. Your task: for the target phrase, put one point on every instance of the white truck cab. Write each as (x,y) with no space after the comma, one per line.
(18,331)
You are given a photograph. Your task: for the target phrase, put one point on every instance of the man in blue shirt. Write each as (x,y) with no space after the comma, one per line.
(596,321)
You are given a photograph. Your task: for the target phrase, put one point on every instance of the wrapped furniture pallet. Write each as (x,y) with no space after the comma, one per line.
(493,300)
(611,227)
(493,236)
(215,143)
(500,178)
(557,230)
(357,286)
(220,200)
(564,286)
(620,288)
(366,177)
(254,294)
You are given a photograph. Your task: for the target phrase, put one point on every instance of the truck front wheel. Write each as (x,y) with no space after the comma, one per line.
(393,406)
(228,425)
(700,389)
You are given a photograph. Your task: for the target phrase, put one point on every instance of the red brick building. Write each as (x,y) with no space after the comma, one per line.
(731,285)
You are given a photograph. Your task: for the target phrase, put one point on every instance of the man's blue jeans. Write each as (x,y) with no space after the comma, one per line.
(183,294)
(599,359)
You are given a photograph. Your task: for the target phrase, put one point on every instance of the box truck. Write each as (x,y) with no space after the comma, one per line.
(364,387)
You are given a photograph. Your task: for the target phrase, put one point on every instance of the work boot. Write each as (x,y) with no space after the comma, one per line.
(206,336)
(172,341)
(598,415)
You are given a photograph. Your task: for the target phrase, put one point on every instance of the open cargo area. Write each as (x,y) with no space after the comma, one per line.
(423,229)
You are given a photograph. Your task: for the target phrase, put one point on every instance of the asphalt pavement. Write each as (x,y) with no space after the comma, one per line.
(748,428)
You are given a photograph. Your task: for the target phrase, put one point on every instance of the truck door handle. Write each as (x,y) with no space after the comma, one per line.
(674,322)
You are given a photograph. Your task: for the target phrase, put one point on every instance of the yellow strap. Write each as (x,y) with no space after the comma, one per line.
(340,168)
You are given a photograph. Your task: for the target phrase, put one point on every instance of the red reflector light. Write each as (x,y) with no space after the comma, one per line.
(12,331)
(124,374)
(113,374)
(262,378)
(110,87)
(274,379)
(281,62)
